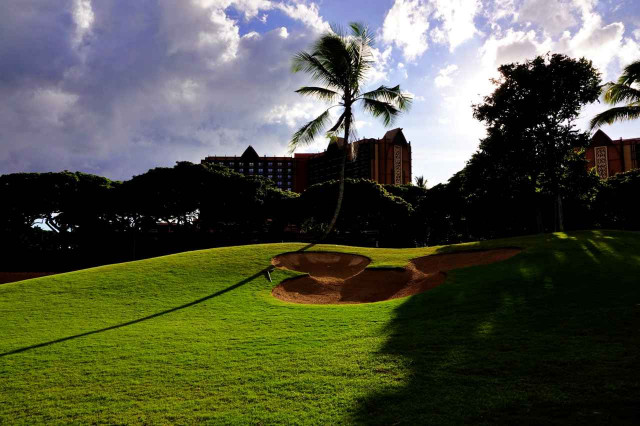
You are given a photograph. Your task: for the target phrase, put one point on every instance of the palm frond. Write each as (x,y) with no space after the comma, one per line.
(391,95)
(332,131)
(631,74)
(382,109)
(361,32)
(331,52)
(319,92)
(303,61)
(615,114)
(616,93)
(359,46)
(307,133)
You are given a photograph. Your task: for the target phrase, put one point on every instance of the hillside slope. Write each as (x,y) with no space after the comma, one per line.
(550,335)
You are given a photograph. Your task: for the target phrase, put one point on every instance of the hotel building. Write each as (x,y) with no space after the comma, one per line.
(610,156)
(386,160)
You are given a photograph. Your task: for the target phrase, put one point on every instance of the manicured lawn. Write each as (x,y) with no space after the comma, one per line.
(551,335)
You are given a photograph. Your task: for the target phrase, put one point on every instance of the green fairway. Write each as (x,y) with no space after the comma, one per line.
(550,335)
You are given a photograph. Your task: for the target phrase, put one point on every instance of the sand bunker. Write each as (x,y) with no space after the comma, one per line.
(344,279)
(323,266)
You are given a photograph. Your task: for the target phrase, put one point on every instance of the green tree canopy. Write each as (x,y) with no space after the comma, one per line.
(530,118)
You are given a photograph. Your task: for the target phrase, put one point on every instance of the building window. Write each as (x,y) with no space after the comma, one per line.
(279,176)
(270,170)
(260,170)
(279,163)
(279,183)
(270,176)
(270,163)
(250,164)
(279,170)
(231,163)
(251,171)
(289,164)
(259,163)
(241,170)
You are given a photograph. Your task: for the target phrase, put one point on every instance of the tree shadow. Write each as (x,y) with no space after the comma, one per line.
(534,339)
(262,273)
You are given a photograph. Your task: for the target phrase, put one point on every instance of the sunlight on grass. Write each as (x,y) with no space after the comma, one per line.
(197,337)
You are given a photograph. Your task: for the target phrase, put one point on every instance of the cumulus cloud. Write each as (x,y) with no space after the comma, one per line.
(151,82)
(406,25)
(555,16)
(381,60)
(457,17)
(443,79)
(309,14)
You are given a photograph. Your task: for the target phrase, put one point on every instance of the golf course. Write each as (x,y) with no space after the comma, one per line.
(548,333)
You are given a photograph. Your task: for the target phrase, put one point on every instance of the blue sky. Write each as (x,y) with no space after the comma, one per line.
(117,87)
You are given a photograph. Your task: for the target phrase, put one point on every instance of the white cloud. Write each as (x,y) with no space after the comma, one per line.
(499,10)
(443,78)
(457,17)
(555,16)
(380,67)
(294,114)
(402,70)
(83,17)
(134,101)
(406,25)
(309,14)
(249,8)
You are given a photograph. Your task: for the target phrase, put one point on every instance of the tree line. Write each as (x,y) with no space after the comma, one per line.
(528,175)
(84,220)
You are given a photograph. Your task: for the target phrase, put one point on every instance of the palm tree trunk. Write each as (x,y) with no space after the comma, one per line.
(345,153)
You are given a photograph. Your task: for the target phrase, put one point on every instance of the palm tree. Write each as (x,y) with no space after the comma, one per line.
(621,92)
(421,182)
(340,63)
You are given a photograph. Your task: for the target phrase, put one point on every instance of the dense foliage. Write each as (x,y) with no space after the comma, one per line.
(66,220)
(530,149)
(529,175)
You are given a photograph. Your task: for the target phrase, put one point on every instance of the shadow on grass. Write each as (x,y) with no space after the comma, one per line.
(262,273)
(549,336)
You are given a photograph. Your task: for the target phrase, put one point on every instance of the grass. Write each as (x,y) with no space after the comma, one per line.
(551,335)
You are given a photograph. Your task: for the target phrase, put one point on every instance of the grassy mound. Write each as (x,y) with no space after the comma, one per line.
(550,335)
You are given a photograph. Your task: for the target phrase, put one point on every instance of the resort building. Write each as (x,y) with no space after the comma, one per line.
(386,160)
(610,156)
(278,169)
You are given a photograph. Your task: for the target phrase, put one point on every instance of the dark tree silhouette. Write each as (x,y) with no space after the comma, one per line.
(531,121)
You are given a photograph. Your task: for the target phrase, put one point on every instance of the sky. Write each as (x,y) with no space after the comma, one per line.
(116,87)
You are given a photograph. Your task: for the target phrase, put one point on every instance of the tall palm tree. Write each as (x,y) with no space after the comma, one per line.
(339,62)
(621,92)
